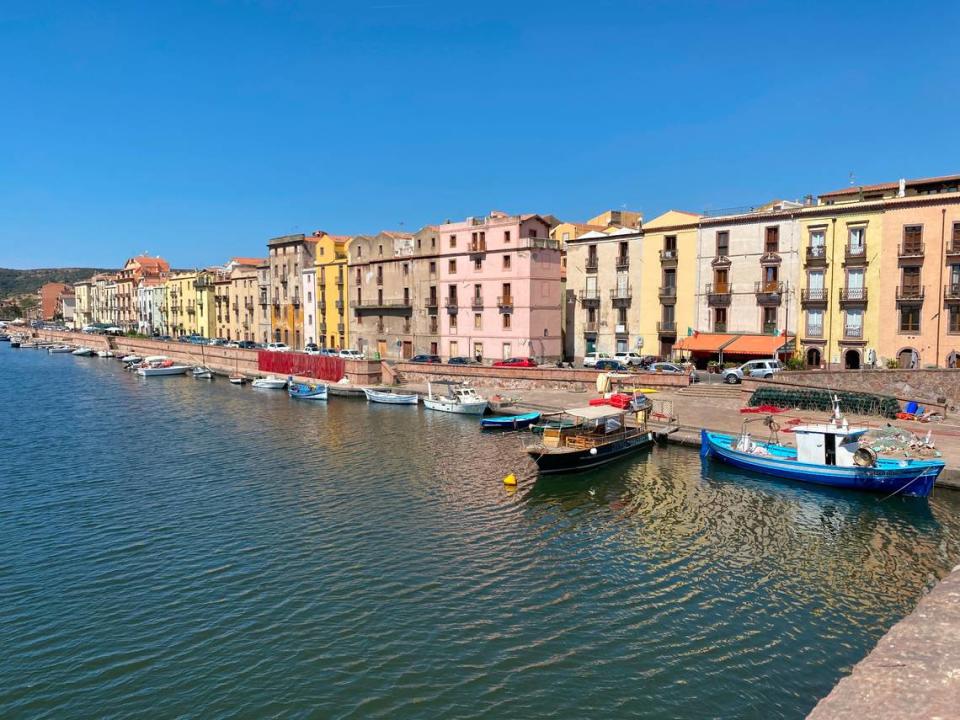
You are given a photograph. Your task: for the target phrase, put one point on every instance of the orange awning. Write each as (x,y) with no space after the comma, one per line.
(703,342)
(760,345)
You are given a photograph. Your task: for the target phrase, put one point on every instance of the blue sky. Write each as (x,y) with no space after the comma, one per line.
(199,129)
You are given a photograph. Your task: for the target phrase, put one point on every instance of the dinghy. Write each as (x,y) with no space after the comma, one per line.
(509,422)
(390,398)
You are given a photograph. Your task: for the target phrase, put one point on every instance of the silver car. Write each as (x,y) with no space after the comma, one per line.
(753,368)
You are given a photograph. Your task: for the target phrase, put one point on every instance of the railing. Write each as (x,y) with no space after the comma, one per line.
(815,331)
(850,295)
(623,262)
(668,291)
(381,327)
(590,295)
(720,327)
(434,327)
(853,332)
(476,302)
(910,250)
(909,292)
(341,328)
(667,327)
(855,253)
(621,293)
(814,295)
(816,253)
(477,248)
(592,263)
(389,304)
(505,303)
(668,255)
(718,293)
(951,292)
(768,286)
(295,301)
(769,328)
(264,300)
(539,243)
(432,301)
(953,248)
(591,327)
(451,305)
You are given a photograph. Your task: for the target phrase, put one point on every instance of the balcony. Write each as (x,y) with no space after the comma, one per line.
(191,308)
(623,262)
(505,303)
(263,301)
(816,256)
(338,304)
(591,328)
(477,250)
(400,306)
(276,302)
(855,254)
(476,302)
(621,297)
(719,327)
(718,294)
(812,297)
(592,264)
(322,328)
(248,303)
(909,295)
(853,333)
(953,251)
(295,301)
(667,327)
(590,298)
(769,328)
(432,303)
(341,328)
(910,253)
(951,294)
(814,331)
(668,258)
(668,294)
(451,305)
(381,327)
(769,293)
(203,282)
(853,296)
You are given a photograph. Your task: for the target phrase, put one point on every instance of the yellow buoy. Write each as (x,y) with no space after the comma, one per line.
(510,479)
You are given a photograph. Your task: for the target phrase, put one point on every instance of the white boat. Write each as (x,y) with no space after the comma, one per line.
(57,349)
(390,398)
(237,379)
(459,398)
(131,359)
(270,383)
(162,369)
(203,373)
(83,352)
(105,353)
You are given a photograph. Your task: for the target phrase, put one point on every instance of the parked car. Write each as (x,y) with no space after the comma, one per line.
(629,358)
(610,365)
(217,342)
(426,359)
(311,349)
(247,345)
(351,355)
(516,362)
(164,338)
(232,344)
(278,347)
(672,369)
(590,359)
(752,368)
(462,361)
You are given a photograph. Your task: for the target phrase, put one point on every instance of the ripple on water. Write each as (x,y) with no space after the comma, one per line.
(179,548)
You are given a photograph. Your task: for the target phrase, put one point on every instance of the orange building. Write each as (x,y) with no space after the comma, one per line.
(47,299)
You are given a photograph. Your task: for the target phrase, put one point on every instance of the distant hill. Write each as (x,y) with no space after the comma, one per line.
(22,282)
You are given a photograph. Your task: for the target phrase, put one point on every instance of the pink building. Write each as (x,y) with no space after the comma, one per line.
(500,286)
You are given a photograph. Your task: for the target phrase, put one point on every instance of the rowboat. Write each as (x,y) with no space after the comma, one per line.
(390,398)
(202,372)
(598,434)
(459,398)
(826,454)
(270,383)
(302,391)
(509,422)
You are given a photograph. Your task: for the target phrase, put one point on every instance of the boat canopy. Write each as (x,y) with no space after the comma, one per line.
(595,412)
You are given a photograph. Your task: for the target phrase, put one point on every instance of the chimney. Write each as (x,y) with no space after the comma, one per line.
(902,192)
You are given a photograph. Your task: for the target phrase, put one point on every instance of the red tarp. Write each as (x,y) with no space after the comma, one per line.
(320,367)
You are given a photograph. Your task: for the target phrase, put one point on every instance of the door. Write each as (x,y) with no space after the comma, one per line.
(382,348)
(407,349)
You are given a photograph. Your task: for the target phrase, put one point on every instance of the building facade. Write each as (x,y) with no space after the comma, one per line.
(151,301)
(288,255)
(333,291)
(84,314)
(308,286)
(47,298)
(500,284)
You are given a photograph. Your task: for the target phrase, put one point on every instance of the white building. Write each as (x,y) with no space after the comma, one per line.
(151,299)
(308,286)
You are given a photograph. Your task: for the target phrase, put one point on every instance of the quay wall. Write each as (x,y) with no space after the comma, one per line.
(525,378)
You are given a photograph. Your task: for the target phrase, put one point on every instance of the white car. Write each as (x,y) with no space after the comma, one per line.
(590,359)
(351,355)
(629,358)
(752,368)
(277,347)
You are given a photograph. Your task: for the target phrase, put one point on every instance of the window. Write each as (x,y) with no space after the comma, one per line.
(912,234)
(452,267)
(720,280)
(955,242)
(817,242)
(507,295)
(621,316)
(453,241)
(533,232)
(853,324)
(359,250)
(433,267)
(910,320)
(453,322)
(719,319)
(506,236)
(856,240)
(507,350)
(815,323)
(506,262)
(454,348)
(406,268)
(769,320)
(954,320)
(419,243)
(772,242)
(478,264)
(591,255)
(478,321)
(670,245)
(433,242)
(723,243)
(380,250)
(566,236)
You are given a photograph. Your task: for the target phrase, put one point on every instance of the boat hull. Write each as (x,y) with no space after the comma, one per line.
(458,408)
(566,460)
(299,391)
(910,478)
(163,371)
(390,398)
(268,384)
(510,422)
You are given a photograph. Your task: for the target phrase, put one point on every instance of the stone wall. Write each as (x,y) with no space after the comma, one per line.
(525,378)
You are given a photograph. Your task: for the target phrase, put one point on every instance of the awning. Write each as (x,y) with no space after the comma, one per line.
(759,345)
(595,412)
(704,342)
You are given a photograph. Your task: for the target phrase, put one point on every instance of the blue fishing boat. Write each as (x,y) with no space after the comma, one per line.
(826,454)
(509,422)
(302,391)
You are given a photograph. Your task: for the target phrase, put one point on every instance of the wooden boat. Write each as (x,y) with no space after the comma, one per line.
(202,372)
(390,398)
(302,391)
(270,383)
(509,422)
(459,398)
(599,435)
(826,454)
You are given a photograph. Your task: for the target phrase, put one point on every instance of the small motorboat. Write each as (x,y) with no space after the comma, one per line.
(105,353)
(14,343)
(238,380)
(459,398)
(390,398)
(4,337)
(83,352)
(270,383)
(826,454)
(59,349)
(302,391)
(509,422)
(202,373)
(131,359)
(161,368)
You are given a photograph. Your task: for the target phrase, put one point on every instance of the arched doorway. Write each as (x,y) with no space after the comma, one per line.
(906,358)
(851,360)
(813,357)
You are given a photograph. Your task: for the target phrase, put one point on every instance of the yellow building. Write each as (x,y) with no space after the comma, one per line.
(190,304)
(235,297)
(668,280)
(840,250)
(333,329)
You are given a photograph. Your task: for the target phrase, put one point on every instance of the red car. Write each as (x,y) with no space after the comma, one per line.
(516,362)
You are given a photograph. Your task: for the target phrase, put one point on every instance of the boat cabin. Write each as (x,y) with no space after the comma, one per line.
(593,425)
(828,444)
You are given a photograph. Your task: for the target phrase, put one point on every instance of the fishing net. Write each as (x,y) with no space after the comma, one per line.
(814,399)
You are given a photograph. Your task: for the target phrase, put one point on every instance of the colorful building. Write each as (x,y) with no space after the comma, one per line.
(287,257)
(84,307)
(333,292)
(47,297)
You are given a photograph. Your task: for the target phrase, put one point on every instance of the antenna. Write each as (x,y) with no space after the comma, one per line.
(853,179)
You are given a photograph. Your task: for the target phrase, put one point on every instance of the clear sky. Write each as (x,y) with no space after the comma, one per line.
(198,129)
